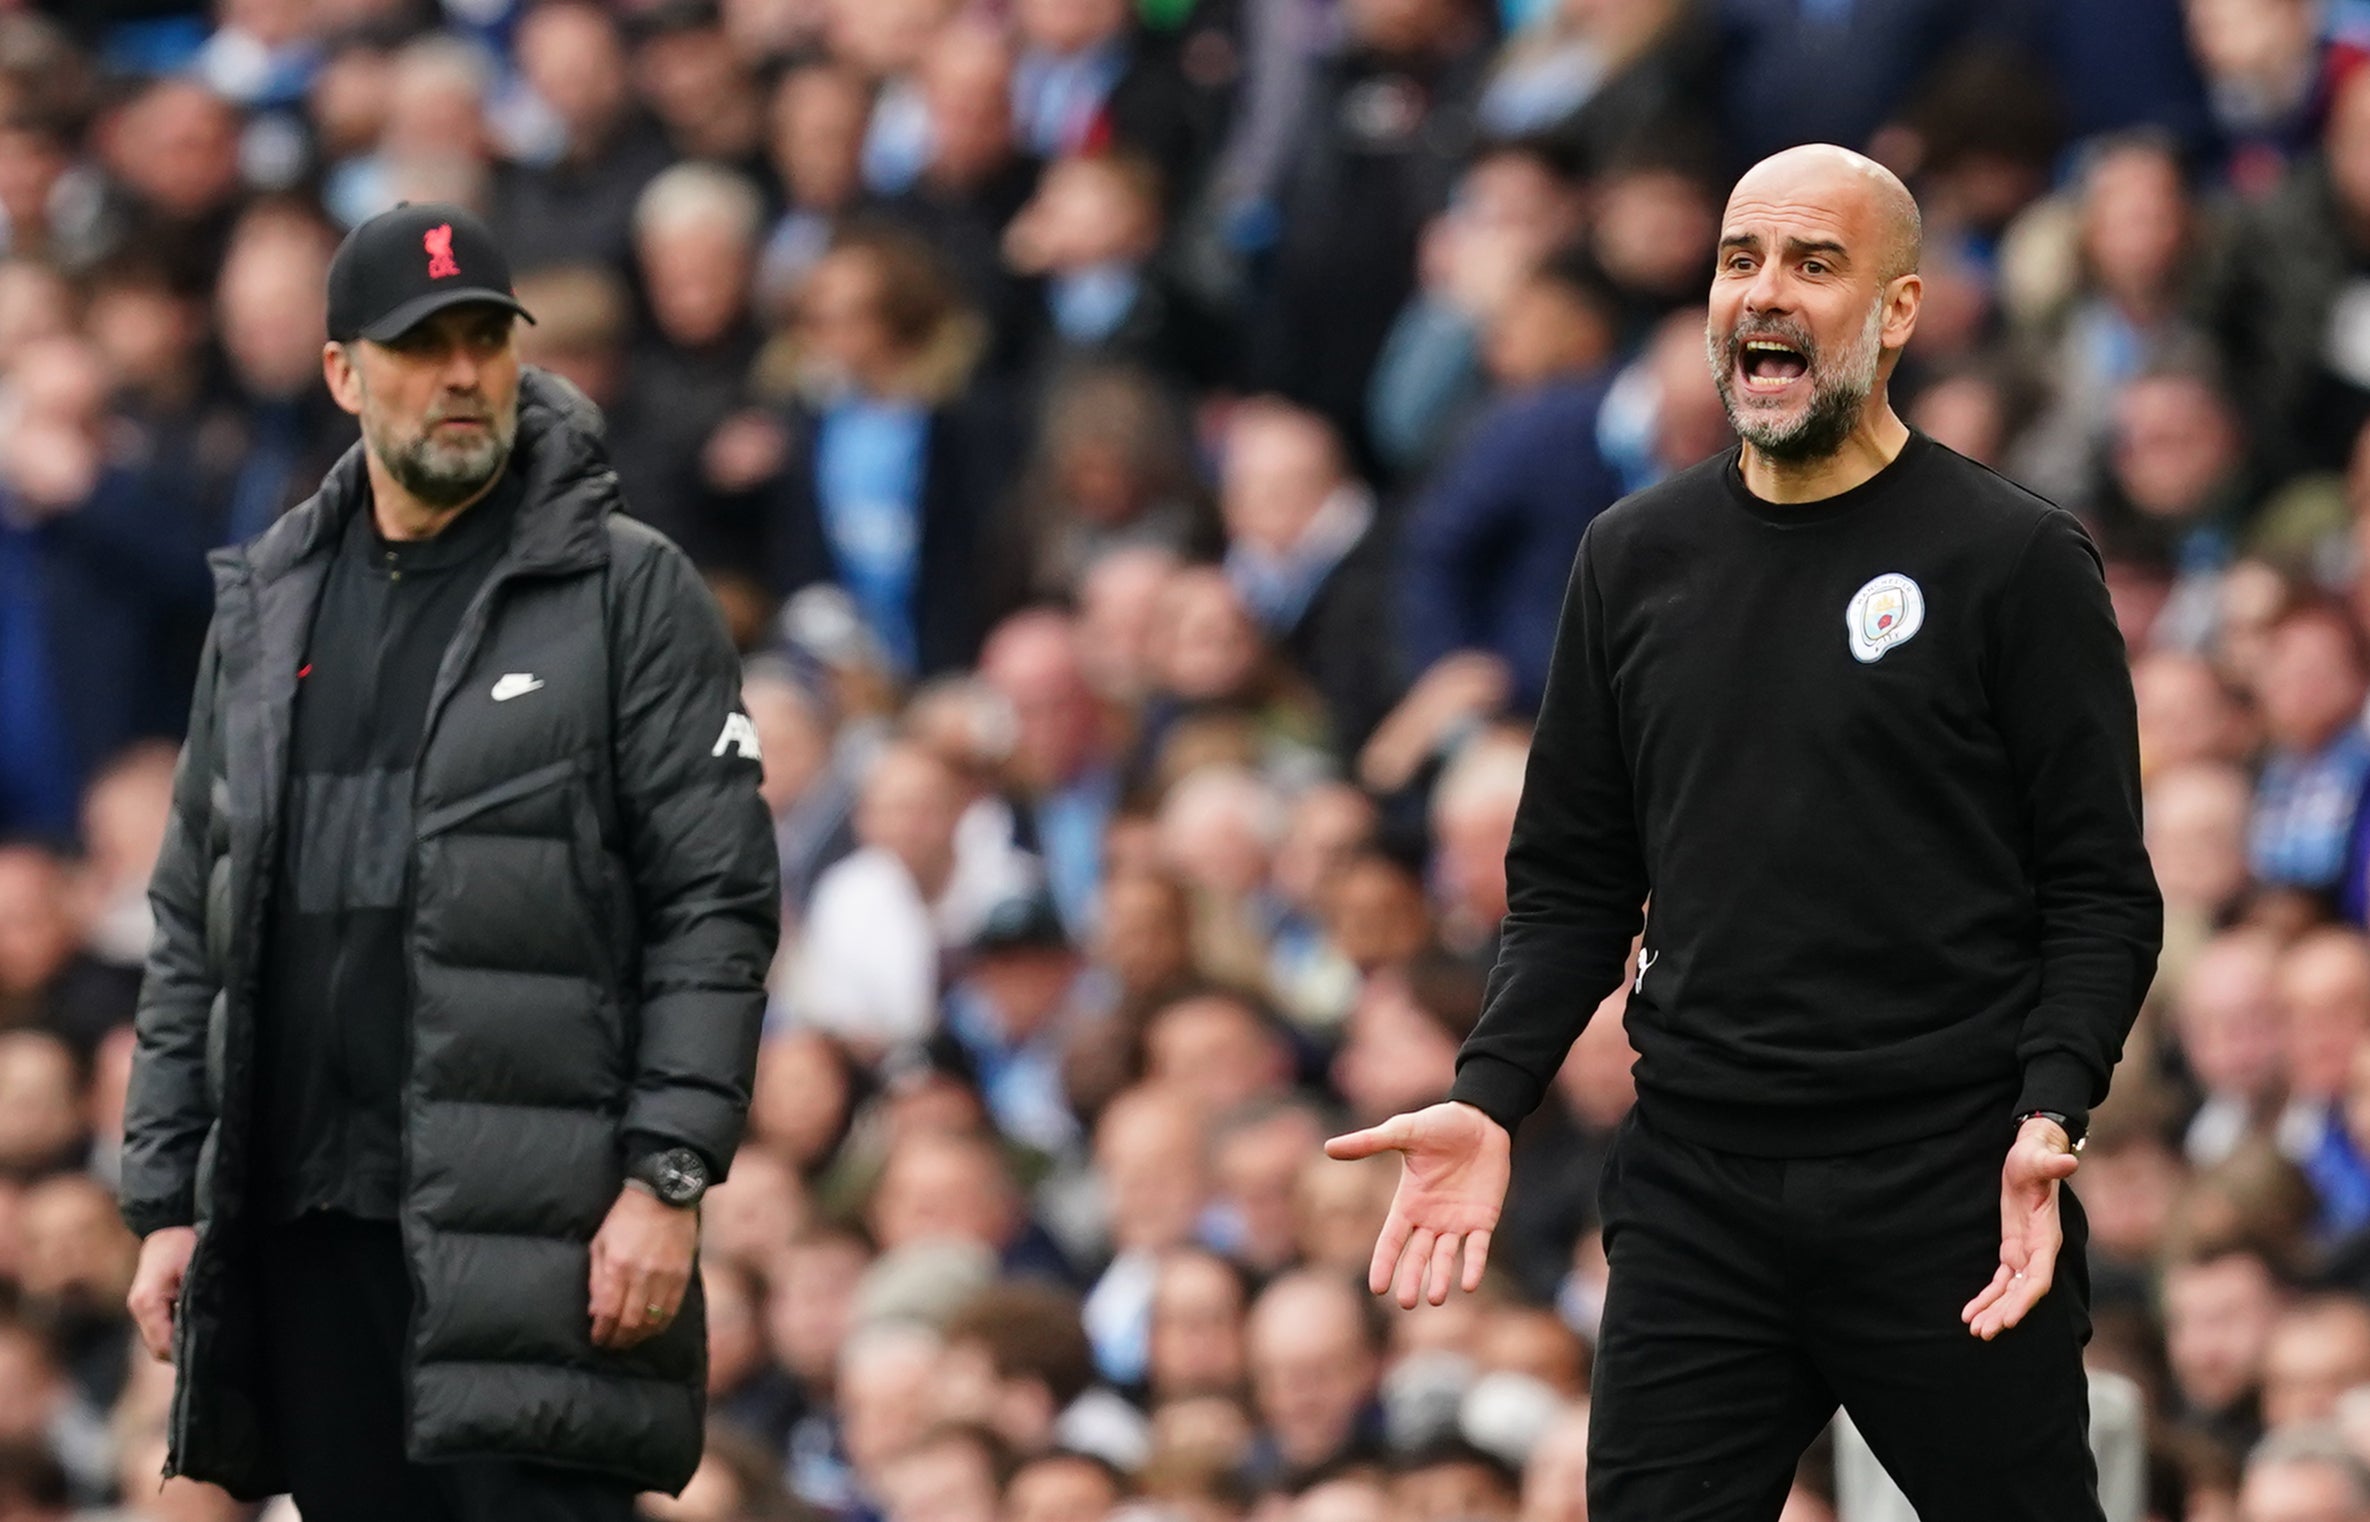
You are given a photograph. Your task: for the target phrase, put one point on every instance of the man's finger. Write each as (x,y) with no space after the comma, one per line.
(156,1329)
(2006,1313)
(667,1290)
(1409,1281)
(1987,1295)
(2018,1301)
(606,1299)
(1476,1258)
(1388,1244)
(635,1320)
(1387,1137)
(1441,1274)
(2025,1288)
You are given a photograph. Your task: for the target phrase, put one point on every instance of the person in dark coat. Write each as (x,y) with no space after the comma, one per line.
(1838,74)
(1382,137)
(49,979)
(463,916)
(2281,308)
(1089,243)
(887,464)
(1089,77)
(1484,551)
(173,176)
(1111,467)
(696,237)
(101,565)
(577,202)
(256,454)
(975,180)
(1308,557)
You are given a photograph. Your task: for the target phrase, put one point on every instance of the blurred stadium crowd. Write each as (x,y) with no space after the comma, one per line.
(1140,448)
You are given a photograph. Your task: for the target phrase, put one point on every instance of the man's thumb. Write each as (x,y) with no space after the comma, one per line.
(1391,1134)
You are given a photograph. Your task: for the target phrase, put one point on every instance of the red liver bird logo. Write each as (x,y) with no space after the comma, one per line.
(439,243)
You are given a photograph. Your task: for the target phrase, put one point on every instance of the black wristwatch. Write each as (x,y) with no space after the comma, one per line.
(2074,1138)
(678,1176)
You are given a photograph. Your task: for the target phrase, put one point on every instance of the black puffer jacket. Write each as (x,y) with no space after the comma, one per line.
(593,908)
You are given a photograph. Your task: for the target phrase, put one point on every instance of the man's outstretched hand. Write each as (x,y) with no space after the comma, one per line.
(2030,1233)
(1451,1187)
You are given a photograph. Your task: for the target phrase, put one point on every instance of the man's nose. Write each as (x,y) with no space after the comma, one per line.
(460,369)
(1769,291)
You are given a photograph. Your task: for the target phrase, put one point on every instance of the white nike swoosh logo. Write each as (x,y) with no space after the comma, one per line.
(515,686)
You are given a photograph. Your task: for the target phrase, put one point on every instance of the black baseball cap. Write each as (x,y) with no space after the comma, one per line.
(403,266)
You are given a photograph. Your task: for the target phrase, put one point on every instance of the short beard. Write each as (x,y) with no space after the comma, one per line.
(1838,391)
(441,474)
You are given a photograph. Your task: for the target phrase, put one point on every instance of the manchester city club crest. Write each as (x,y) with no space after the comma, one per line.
(1882,614)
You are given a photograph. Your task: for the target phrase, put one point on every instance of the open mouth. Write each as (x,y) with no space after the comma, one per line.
(1768,366)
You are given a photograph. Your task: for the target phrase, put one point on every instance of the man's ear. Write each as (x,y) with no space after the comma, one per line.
(345,381)
(1904,294)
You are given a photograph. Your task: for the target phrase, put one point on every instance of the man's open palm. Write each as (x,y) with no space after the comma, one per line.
(1451,1187)
(2030,1232)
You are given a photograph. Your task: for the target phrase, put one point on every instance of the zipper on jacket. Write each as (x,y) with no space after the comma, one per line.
(456,659)
(177,1422)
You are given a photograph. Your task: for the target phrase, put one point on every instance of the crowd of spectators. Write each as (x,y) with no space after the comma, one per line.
(1140,448)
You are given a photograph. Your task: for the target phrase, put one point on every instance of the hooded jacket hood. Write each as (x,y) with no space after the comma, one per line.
(562,446)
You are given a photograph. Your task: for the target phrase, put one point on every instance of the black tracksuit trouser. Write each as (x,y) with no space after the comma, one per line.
(1751,1296)
(338,1305)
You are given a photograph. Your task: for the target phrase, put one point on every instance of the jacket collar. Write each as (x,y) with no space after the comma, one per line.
(561,523)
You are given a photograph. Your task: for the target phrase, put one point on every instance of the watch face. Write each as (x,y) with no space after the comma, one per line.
(682,1177)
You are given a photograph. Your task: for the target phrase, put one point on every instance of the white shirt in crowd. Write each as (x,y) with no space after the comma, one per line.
(867,965)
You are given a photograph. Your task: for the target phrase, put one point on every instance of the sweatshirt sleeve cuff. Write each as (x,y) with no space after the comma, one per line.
(146,1216)
(1497,1088)
(2057,1081)
(640,1144)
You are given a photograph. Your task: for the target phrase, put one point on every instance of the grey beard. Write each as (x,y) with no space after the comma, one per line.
(446,476)
(1818,433)
(1837,396)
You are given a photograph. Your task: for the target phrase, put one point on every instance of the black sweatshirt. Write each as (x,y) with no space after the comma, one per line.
(337,986)
(1875,759)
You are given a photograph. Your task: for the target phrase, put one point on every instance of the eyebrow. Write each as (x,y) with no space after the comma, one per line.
(1799,248)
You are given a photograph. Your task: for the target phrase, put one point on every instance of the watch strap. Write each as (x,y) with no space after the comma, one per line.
(648,1170)
(2074,1137)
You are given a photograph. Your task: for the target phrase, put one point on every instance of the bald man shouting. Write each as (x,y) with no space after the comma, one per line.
(1855,712)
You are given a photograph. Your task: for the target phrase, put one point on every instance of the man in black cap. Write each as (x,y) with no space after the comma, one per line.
(463,921)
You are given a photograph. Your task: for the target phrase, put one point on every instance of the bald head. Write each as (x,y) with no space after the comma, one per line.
(1855,187)
(1814,297)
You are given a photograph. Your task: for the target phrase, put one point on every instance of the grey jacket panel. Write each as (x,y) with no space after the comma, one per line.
(175,1082)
